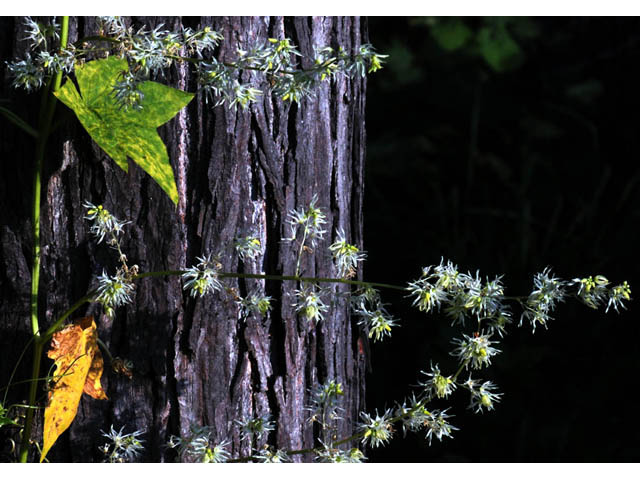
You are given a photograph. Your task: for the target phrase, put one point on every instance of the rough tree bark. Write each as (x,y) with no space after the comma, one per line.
(238,172)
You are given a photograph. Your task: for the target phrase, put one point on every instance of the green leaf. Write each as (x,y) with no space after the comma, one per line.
(4,420)
(499,49)
(125,133)
(451,33)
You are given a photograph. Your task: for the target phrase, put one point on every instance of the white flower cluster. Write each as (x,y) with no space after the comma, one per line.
(121,447)
(103,224)
(547,293)
(617,294)
(482,395)
(346,256)
(203,278)
(271,455)
(310,221)
(592,291)
(30,73)
(310,304)
(437,385)
(324,407)
(376,431)
(248,247)
(255,427)
(475,351)
(114,292)
(197,446)
(373,315)
(151,52)
(379,322)
(256,303)
(334,455)
(463,295)
(416,417)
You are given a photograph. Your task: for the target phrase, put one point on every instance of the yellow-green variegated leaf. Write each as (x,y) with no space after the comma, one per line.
(125,133)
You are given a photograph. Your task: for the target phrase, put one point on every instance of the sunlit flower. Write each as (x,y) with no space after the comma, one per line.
(103,223)
(256,303)
(334,455)
(309,304)
(437,425)
(482,395)
(378,322)
(203,278)
(617,294)
(346,256)
(548,291)
(122,448)
(375,431)
(270,455)
(310,221)
(198,447)
(476,351)
(113,292)
(437,385)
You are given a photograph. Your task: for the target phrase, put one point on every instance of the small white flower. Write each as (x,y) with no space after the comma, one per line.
(271,455)
(376,431)
(203,278)
(255,303)
(198,447)
(248,248)
(617,295)
(122,447)
(592,291)
(310,304)
(113,292)
(427,295)
(309,220)
(438,385)
(499,321)
(548,291)
(378,322)
(334,455)
(346,256)
(476,350)
(482,395)
(255,427)
(484,300)
(324,402)
(437,425)
(103,223)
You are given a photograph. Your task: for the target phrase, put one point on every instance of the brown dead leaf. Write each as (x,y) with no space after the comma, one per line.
(79,365)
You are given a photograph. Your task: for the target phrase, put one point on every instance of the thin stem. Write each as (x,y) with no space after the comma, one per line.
(294,278)
(43,135)
(106,349)
(15,369)
(58,323)
(304,237)
(462,366)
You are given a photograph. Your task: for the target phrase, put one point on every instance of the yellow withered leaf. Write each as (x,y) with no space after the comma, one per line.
(79,365)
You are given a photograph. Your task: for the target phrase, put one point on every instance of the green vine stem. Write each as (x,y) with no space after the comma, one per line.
(41,339)
(294,278)
(47,111)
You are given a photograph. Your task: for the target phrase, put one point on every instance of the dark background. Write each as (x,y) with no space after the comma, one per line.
(508,145)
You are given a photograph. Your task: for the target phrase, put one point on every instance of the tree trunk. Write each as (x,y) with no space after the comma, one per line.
(238,172)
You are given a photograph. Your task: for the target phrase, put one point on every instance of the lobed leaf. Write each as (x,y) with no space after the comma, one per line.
(79,366)
(125,133)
